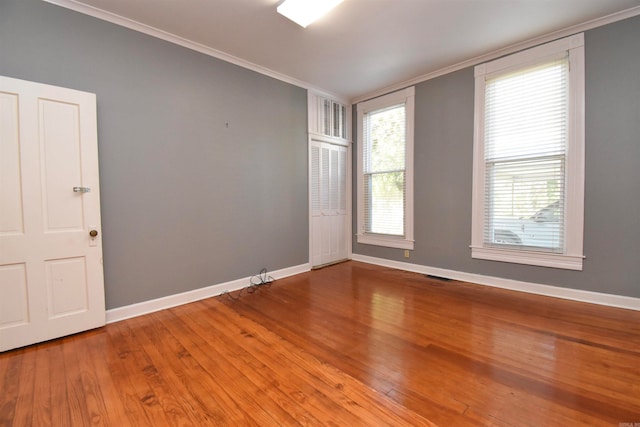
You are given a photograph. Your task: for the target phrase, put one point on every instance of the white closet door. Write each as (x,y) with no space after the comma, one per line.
(328,203)
(51,279)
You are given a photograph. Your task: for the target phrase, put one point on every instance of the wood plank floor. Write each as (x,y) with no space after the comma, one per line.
(348,345)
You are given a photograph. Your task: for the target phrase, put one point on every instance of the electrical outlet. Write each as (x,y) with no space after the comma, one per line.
(406,253)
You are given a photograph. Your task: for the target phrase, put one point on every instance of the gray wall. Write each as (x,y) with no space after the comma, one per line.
(443,173)
(187,202)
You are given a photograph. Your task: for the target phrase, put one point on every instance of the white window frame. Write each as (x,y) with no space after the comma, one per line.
(572,258)
(407,97)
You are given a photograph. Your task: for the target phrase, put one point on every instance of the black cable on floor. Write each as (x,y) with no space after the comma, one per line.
(261,279)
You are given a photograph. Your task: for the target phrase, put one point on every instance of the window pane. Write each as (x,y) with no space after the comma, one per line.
(525,204)
(343,122)
(385,139)
(327,117)
(526,112)
(384,203)
(337,120)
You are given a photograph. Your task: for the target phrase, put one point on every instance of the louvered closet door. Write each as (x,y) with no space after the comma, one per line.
(328,203)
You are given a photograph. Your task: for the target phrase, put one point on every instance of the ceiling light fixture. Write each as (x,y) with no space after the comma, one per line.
(304,12)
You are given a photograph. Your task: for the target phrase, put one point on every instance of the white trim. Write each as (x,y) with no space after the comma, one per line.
(349,235)
(386,241)
(576,159)
(557,48)
(146,29)
(542,259)
(609,300)
(145,307)
(585,26)
(180,41)
(317,137)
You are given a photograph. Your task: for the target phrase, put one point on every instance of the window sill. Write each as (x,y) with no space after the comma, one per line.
(567,262)
(387,241)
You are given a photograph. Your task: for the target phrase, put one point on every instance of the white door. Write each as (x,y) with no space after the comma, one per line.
(329,201)
(51,280)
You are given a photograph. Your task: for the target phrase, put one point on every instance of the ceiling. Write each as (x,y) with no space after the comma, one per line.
(362,46)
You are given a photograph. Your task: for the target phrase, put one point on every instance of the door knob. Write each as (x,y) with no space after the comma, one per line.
(93,233)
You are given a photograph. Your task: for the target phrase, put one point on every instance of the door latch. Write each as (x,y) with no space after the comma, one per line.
(93,234)
(81,189)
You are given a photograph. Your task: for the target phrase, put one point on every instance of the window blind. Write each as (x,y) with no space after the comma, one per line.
(384,170)
(525,148)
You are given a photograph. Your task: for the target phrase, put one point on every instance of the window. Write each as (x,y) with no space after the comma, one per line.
(327,117)
(385,170)
(528,198)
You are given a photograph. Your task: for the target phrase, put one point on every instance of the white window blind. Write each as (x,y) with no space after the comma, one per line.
(526,133)
(384,170)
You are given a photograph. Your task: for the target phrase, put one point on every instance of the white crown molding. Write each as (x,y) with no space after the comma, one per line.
(618,301)
(145,307)
(172,38)
(594,23)
(180,41)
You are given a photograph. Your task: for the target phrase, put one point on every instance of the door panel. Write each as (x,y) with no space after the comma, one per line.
(51,280)
(325,179)
(66,286)
(334,189)
(10,185)
(342,180)
(14,304)
(60,165)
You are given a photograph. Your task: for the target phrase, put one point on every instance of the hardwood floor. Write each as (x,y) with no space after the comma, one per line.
(348,345)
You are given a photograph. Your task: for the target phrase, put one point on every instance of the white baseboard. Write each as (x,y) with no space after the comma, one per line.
(515,285)
(138,309)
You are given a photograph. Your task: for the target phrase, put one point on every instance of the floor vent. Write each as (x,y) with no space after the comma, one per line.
(442,279)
